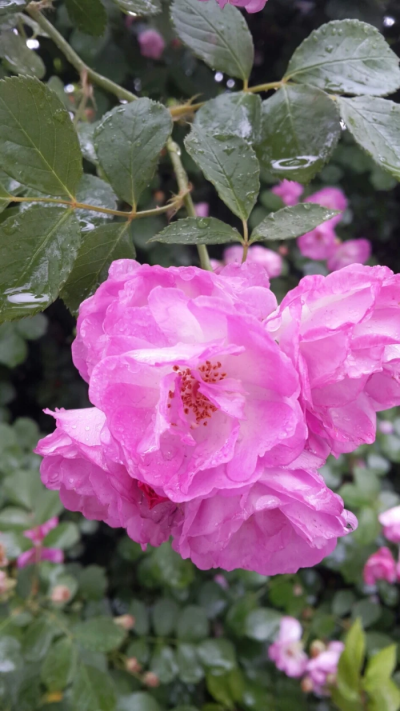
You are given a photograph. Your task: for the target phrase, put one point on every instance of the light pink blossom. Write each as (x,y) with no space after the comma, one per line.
(332,199)
(287,651)
(151,44)
(386,427)
(249,5)
(319,243)
(380,566)
(272,261)
(354,251)
(289,191)
(322,669)
(390,521)
(202,209)
(342,333)
(39,552)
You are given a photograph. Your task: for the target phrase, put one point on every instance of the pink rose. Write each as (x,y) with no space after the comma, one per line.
(249,5)
(151,44)
(38,552)
(289,191)
(202,209)
(272,261)
(332,199)
(319,243)
(380,566)
(390,521)
(342,333)
(354,251)
(287,651)
(322,669)
(196,393)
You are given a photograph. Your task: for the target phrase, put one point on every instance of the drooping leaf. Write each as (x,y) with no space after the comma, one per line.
(89,16)
(197,230)
(292,222)
(93,690)
(300,128)
(100,634)
(99,248)
(128,142)
(38,143)
(230,164)
(375,125)
(140,8)
(7,7)
(59,665)
(346,56)
(219,37)
(18,58)
(37,250)
(238,113)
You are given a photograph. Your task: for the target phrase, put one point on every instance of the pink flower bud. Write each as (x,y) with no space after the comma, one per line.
(127,622)
(151,679)
(60,593)
(380,566)
(151,44)
(132,665)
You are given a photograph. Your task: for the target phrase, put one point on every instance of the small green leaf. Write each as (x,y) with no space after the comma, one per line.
(13,348)
(300,128)
(197,230)
(99,248)
(89,16)
(141,8)
(48,160)
(192,624)
(128,142)
(219,37)
(227,689)
(163,664)
(141,614)
(140,701)
(38,639)
(262,624)
(59,666)
(346,56)
(165,614)
(217,655)
(7,7)
(13,519)
(92,582)
(343,602)
(99,634)
(190,670)
(18,58)
(351,661)
(93,690)
(230,164)
(64,536)
(368,612)
(238,114)
(170,569)
(375,126)
(291,222)
(384,696)
(380,667)
(10,655)
(37,251)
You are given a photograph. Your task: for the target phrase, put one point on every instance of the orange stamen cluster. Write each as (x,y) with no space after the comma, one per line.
(193,400)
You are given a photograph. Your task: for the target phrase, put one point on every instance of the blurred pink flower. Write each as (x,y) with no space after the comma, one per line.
(151,44)
(386,427)
(390,520)
(38,552)
(322,669)
(272,261)
(249,5)
(319,243)
(380,566)
(287,651)
(289,191)
(332,199)
(202,209)
(354,251)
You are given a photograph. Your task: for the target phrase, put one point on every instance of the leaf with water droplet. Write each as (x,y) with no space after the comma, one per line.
(140,8)
(291,222)
(197,230)
(346,56)
(238,113)
(8,7)
(18,58)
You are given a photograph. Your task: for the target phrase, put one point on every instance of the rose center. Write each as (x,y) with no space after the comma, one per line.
(194,402)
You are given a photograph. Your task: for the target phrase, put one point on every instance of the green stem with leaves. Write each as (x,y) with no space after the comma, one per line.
(183,184)
(105,210)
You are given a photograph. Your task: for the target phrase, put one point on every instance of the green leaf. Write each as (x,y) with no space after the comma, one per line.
(89,16)
(190,670)
(300,128)
(380,667)
(140,7)
(165,614)
(8,188)
(46,159)
(170,568)
(93,690)
(14,519)
(59,666)
(163,664)
(192,624)
(238,113)
(38,639)
(13,348)
(140,612)
(96,192)
(197,230)
(139,648)
(219,37)
(32,328)
(92,582)
(343,602)
(217,655)
(230,164)
(7,7)
(291,222)
(64,536)
(262,624)
(368,612)
(37,251)
(375,126)
(140,701)
(99,248)
(99,634)
(347,57)
(128,142)
(226,689)
(10,655)
(385,696)
(18,58)
(351,661)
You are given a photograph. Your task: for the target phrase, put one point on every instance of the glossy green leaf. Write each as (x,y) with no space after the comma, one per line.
(38,143)
(192,624)
(238,113)
(262,624)
(230,164)
(8,188)
(93,690)
(89,16)
(37,251)
(197,230)
(190,670)
(59,666)
(346,56)
(217,655)
(38,638)
(140,8)
(100,634)
(97,192)
(164,617)
(99,248)
(219,37)
(128,142)
(375,125)
(300,128)
(63,536)
(7,7)
(291,222)
(18,58)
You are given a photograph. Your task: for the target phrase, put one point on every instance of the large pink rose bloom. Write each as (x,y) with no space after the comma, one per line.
(286,521)
(287,651)
(196,393)
(390,521)
(380,566)
(342,333)
(249,5)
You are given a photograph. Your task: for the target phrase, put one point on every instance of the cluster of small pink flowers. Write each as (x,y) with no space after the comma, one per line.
(213,408)
(318,671)
(382,565)
(323,242)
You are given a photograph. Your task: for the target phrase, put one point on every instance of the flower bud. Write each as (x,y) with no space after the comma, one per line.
(60,593)
(127,622)
(316,648)
(151,679)
(306,685)
(132,665)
